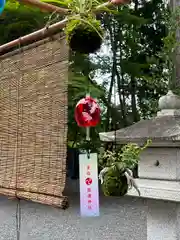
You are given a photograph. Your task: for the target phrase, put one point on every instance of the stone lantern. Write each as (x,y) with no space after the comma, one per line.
(159,167)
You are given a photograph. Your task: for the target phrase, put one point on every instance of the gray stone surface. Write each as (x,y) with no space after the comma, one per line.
(169,101)
(120,219)
(158,128)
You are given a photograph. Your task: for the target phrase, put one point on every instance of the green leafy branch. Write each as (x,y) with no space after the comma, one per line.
(128,157)
(82,15)
(116,176)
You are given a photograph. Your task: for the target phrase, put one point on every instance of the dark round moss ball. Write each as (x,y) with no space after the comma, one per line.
(115,184)
(84,39)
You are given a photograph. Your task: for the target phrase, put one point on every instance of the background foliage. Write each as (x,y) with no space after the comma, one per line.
(126,76)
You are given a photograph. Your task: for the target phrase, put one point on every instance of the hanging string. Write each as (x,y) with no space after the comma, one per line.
(18,219)
(115,125)
(88,128)
(18,206)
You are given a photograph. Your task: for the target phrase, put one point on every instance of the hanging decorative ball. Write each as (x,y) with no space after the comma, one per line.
(84,38)
(2,5)
(120,2)
(87,112)
(115,183)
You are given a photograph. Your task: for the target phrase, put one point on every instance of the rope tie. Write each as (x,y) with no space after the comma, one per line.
(18,206)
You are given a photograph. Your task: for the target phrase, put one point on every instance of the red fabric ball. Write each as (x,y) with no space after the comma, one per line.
(87,112)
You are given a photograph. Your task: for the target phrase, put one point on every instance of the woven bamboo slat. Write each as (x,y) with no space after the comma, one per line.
(33,122)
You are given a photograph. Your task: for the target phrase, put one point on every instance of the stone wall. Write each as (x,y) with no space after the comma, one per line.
(33,121)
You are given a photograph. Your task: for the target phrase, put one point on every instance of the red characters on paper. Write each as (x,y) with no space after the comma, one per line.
(89,190)
(88,181)
(87,112)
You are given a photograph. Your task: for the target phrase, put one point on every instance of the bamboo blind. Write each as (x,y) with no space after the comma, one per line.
(33,122)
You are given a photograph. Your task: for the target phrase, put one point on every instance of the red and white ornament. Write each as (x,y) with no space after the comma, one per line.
(87,112)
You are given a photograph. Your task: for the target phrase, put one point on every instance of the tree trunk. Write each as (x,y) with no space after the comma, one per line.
(174,4)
